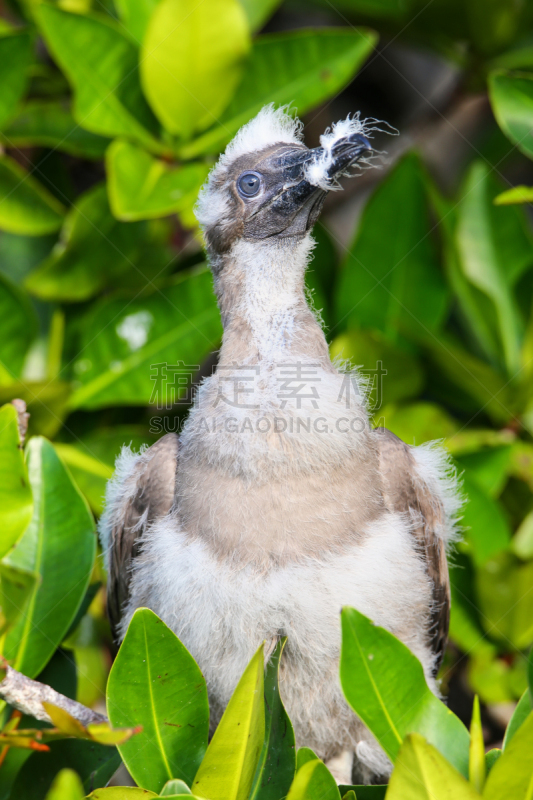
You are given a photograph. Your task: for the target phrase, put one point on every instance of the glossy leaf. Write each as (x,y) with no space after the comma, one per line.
(61,522)
(95,764)
(191,61)
(489,467)
(15,58)
(90,473)
(127,345)
(16,503)
(16,587)
(476,762)
(122,793)
(522,541)
(175,787)
(304,755)
(227,771)
(277,763)
(100,732)
(258,11)
(511,97)
(101,65)
(135,16)
(314,781)
(48,123)
(376,792)
(66,786)
(491,758)
(393,374)
(45,400)
(311,65)
(26,207)
(155,682)
(494,250)
(384,683)
(416,423)
(394,282)
(518,194)
(520,714)
(18,327)
(503,589)
(93,250)
(486,528)
(421,773)
(141,186)
(512,774)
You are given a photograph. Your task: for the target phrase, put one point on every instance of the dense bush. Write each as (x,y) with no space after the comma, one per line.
(110,117)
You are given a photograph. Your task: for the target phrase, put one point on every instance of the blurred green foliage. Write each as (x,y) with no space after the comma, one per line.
(110,117)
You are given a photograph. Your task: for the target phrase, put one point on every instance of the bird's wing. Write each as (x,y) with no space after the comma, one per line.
(143,495)
(406,492)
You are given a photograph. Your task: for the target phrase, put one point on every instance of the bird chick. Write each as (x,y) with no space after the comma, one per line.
(278,503)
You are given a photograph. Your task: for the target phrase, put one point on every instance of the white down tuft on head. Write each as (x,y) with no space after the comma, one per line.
(316,171)
(270,126)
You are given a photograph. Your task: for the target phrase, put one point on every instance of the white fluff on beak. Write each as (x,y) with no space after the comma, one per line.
(317,172)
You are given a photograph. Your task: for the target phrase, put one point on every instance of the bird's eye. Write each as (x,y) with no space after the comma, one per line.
(249,184)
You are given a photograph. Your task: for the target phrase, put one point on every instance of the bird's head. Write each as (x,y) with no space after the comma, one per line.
(269,185)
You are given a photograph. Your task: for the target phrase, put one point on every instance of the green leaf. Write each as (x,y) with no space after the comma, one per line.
(384,683)
(421,773)
(94,249)
(491,758)
(127,345)
(16,586)
(511,96)
(416,423)
(191,61)
(494,250)
(66,786)
(277,763)
(476,763)
(141,186)
(18,327)
(46,402)
(518,194)
(486,528)
(227,771)
(503,589)
(393,373)
(520,714)
(16,502)
(135,16)
(90,474)
(94,763)
(376,792)
(101,65)
(26,207)
(175,787)
(310,66)
(314,781)
(394,282)
(156,683)
(258,11)
(49,123)
(61,524)
(15,58)
(490,467)
(512,774)
(522,541)
(304,755)
(122,793)
(467,374)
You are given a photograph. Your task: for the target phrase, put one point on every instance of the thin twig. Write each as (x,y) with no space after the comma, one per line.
(28,696)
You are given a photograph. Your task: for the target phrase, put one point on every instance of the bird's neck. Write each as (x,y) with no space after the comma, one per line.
(261,294)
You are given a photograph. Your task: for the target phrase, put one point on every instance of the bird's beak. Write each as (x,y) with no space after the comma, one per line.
(308,175)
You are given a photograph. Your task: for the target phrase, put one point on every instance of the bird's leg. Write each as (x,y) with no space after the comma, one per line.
(341,767)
